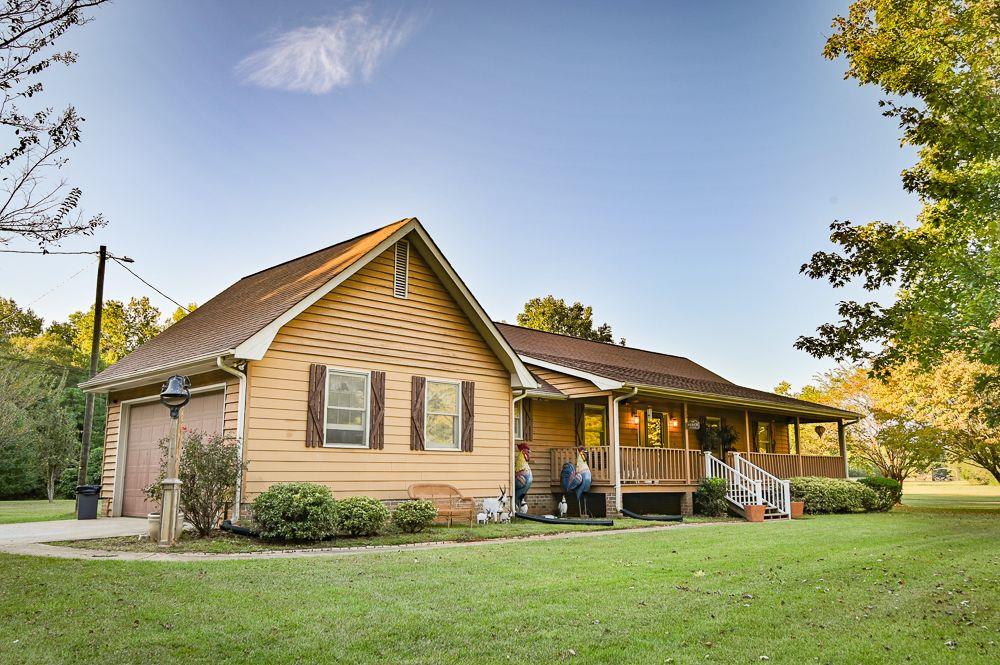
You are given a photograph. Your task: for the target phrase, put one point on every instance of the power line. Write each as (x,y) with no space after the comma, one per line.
(57,286)
(116,260)
(41,251)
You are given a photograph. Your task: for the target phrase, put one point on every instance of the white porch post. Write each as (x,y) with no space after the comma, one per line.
(842,438)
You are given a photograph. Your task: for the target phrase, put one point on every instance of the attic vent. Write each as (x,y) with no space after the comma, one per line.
(401,272)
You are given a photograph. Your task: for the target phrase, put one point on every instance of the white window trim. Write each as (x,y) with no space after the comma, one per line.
(457,448)
(367,413)
(518,421)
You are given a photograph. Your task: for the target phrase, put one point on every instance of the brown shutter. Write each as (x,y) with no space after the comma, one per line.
(754,443)
(578,419)
(315,406)
(376,429)
(468,414)
(527,422)
(417,389)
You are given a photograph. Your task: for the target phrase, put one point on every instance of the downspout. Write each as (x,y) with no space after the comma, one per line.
(513,445)
(617,448)
(240,420)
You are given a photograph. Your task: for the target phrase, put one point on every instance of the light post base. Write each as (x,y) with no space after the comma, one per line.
(168,512)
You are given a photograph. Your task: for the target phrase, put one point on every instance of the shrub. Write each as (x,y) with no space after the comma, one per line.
(361,516)
(710,499)
(295,511)
(888,492)
(209,470)
(832,495)
(414,516)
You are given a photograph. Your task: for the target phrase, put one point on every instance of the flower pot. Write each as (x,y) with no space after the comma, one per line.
(755,513)
(154,526)
(798,507)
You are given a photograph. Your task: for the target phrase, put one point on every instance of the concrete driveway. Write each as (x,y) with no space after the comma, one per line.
(43,532)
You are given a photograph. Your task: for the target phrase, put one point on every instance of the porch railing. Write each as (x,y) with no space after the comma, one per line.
(790,466)
(774,492)
(741,489)
(598,459)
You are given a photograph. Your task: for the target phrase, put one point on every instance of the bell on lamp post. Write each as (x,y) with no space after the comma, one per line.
(176,392)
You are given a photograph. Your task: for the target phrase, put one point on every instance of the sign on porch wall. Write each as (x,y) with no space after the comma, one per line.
(694,423)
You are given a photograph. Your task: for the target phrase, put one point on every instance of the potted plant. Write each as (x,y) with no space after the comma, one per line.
(727,437)
(709,438)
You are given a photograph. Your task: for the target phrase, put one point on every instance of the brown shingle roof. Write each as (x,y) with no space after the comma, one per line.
(246,307)
(637,366)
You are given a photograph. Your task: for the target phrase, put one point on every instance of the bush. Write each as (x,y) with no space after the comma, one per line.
(832,495)
(210,470)
(361,516)
(295,511)
(414,516)
(710,499)
(888,492)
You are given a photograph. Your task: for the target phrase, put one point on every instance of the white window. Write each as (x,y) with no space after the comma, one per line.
(518,422)
(346,408)
(442,415)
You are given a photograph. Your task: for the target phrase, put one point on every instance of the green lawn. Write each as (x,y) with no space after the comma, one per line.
(12,512)
(917,585)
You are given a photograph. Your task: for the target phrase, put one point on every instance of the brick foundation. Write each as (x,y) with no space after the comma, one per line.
(687,504)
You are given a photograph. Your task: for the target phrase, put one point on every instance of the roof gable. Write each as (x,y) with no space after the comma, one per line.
(243,319)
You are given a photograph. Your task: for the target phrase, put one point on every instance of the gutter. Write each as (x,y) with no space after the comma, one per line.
(617,448)
(241,412)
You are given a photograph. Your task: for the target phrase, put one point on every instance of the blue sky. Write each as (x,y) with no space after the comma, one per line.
(671,164)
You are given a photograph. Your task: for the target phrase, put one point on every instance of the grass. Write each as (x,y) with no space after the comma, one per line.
(921,584)
(225,543)
(954,495)
(14,512)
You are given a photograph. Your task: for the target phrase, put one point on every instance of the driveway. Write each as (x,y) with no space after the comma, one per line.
(43,532)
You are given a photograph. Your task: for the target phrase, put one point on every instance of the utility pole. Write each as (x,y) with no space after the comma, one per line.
(95,356)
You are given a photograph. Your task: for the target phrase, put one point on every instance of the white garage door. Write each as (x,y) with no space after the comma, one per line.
(148,424)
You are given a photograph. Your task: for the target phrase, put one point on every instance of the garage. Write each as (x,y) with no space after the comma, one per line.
(148,424)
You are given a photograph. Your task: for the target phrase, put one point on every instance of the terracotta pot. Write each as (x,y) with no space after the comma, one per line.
(154,526)
(755,513)
(798,507)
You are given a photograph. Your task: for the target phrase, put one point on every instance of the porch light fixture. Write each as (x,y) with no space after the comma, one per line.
(674,423)
(176,392)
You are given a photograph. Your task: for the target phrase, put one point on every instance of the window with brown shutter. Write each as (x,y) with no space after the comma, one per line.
(468,414)
(316,405)
(418,389)
(376,432)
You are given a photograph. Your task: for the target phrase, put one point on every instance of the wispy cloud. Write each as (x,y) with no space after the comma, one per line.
(340,51)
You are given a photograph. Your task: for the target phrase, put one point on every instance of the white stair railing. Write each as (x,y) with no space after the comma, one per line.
(775,492)
(741,490)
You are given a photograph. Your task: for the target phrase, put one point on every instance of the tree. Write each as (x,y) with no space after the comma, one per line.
(893,436)
(937,62)
(123,328)
(32,205)
(949,396)
(552,314)
(54,437)
(180,313)
(15,321)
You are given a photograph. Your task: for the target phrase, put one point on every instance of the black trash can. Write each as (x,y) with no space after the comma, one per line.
(86,501)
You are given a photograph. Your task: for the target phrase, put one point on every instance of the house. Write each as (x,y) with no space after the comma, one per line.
(369,366)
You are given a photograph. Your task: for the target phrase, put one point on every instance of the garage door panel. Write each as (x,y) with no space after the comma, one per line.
(148,424)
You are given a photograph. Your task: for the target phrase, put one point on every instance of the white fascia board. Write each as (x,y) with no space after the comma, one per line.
(602,382)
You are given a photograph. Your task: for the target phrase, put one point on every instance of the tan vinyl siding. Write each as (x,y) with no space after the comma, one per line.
(112,428)
(553,428)
(361,325)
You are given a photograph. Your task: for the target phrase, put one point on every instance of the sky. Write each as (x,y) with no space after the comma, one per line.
(671,164)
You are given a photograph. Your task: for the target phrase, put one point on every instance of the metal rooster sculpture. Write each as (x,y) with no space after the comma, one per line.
(522,473)
(576,479)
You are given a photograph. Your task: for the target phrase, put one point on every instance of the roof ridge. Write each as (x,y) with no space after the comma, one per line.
(594,341)
(323,249)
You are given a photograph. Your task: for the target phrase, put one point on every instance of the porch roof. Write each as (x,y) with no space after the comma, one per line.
(658,372)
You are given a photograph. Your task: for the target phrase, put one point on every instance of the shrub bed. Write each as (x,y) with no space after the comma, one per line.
(710,499)
(888,492)
(832,495)
(414,516)
(295,511)
(361,516)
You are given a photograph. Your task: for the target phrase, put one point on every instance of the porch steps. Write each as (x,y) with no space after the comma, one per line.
(749,485)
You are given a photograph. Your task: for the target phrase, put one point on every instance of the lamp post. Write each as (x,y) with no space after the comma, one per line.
(176,392)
